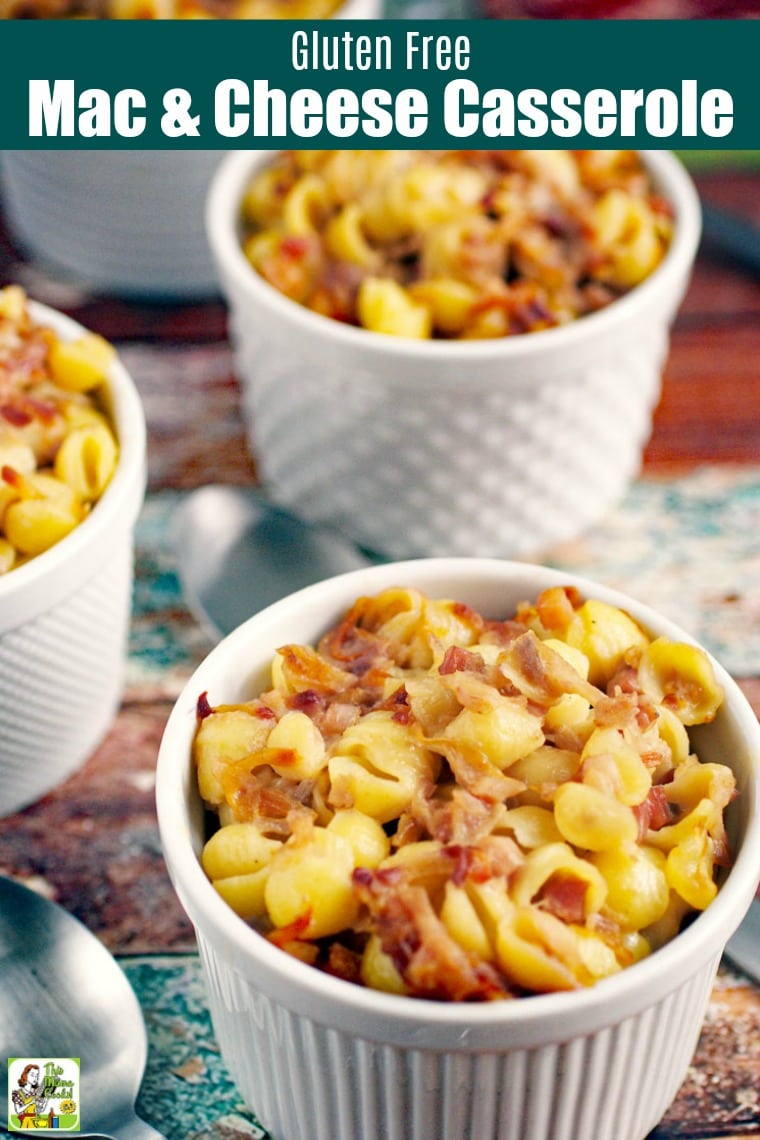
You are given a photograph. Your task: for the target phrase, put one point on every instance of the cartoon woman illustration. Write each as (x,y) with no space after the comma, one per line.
(29,1099)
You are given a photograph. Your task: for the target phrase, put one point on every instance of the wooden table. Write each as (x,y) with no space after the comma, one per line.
(93,844)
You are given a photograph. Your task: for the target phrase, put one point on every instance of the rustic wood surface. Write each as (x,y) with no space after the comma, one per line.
(93,844)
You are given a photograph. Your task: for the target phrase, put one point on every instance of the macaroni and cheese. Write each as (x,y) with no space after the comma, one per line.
(168,9)
(454,244)
(437,804)
(58,449)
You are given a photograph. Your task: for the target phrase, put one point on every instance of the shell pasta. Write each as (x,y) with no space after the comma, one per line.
(435,803)
(58,450)
(454,244)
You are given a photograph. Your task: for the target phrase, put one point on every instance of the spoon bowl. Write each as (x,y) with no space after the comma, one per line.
(63,995)
(236,553)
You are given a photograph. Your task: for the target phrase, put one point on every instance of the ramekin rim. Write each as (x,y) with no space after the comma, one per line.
(221,222)
(710,928)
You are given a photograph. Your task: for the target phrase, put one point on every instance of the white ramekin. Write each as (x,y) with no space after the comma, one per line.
(64,619)
(125,222)
(128,223)
(317,1058)
(416,448)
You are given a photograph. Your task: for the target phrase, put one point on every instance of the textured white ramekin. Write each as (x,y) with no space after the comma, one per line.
(415,448)
(123,222)
(64,619)
(126,222)
(317,1058)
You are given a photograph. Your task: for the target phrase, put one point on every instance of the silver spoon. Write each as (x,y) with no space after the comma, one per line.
(63,995)
(236,553)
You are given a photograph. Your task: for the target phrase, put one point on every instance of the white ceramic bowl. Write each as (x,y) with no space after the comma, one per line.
(415,448)
(129,223)
(124,222)
(318,1058)
(64,619)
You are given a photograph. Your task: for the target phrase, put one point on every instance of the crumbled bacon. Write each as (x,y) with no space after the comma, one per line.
(541,673)
(306,669)
(457,659)
(564,896)
(336,718)
(458,817)
(259,795)
(428,959)
(556,607)
(351,646)
(501,633)
(307,701)
(474,771)
(496,856)
(655,811)
(343,963)
(17,415)
(203,708)
(618,711)
(295,247)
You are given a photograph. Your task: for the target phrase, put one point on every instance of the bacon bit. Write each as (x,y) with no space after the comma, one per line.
(721,848)
(282,757)
(306,669)
(661,206)
(293,932)
(256,794)
(502,633)
(295,247)
(497,857)
(460,819)
(625,680)
(456,659)
(621,710)
(398,704)
(263,712)
(354,648)
(408,830)
(559,224)
(11,476)
(44,410)
(344,963)
(474,771)
(564,896)
(655,812)
(337,718)
(428,959)
(307,701)
(467,615)
(464,859)
(488,202)
(203,708)
(542,674)
(529,316)
(556,606)
(15,415)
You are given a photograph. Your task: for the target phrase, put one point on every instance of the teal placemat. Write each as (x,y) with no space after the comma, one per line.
(688,547)
(187,1092)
